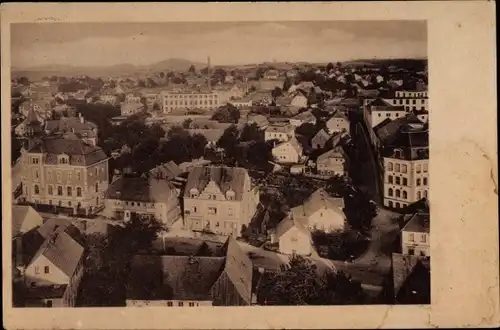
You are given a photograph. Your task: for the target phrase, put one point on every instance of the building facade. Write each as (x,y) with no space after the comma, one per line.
(219,200)
(410,100)
(189,100)
(406,167)
(415,237)
(281,133)
(64,173)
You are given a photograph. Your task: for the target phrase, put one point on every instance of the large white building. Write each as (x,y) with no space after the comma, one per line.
(410,100)
(380,110)
(189,100)
(406,167)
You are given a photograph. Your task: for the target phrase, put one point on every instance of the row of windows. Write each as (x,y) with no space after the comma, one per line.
(404,195)
(213,211)
(423,238)
(411,94)
(403,167)
(46,270)
(404,181)
(191,96)
(229,195)
(388,114)
(181,304)
(396,205)
(69,190)
(407,102)
(195,102)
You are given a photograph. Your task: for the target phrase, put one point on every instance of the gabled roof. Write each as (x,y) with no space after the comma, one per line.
(320,199)
(306,115)
(321,137)
(378,102)
(168,171)
(404,266)
(274,128)
(418,223)
(294,143)
(338,115)
(173,277)
(141,189)
(239,269)
(226,178)
(288,223)
(20,214)
(336,152)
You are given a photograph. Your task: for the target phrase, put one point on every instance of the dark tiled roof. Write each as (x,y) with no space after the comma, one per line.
(168,170)
(141,189)
(21,213)
(71,124)
(403,266)
(79,152)
(239,269)
(173,277)
(418,223)
(226,178)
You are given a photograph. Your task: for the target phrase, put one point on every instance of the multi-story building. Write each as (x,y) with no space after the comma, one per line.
(288,152)
(189,100)
(415,238)
(410,100)
(219,199)
(280,132)
(380,110)
(65,172)
(131,196)
(83,129)
(406,166)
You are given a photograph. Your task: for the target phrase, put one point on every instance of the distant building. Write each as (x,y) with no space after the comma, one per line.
(85,130)
(191,281)
(321,140)
(422,115)
(241,103)
(338,123)
(271,74)
(410,100)
(166,171)
(280,132)
(129,109)
(303,118)
(333,162)
(212,135)
(127,197)
(406,161)
(219,199)
(189,100)
(109,98)
(260,120)
(415,238)
(134,97)
(293,237)
(379,110)
(288,152)
(65,172)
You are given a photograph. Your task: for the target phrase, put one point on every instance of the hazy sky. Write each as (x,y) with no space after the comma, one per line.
(102,44)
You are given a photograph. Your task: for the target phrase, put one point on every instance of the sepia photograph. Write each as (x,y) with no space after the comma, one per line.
(152,166)
(248,168)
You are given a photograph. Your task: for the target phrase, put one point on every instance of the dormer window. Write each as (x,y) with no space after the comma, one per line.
(230,195)
(193,193)
(63,159)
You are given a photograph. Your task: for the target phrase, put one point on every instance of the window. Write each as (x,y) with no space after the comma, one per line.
(48,304)
(49,174)
(191,304)
(46,269)
(414,101)
(79,192)
(132,203)
(181,304)
(419,168)
(398,193)
(230,211)
(69,203)
(97,171)
(398,168)
(405,195)
(423,238)
(398,180)
(170,304)
(59,191)
(390,192)
(212,210)
(69,176)
(37,189)
(78,175)
(425,193)
(35,173)
(411,237)
(69,191)
(426,167)
(390,204)
(37,270)
(397,205)
(389,166)
(404,168)
(390,178)
(379,114)
(425,181)
(97,187)
(51,190)
(405,181)
(411,251)
(58,176)
(35,160)
(195,209)
(418,182)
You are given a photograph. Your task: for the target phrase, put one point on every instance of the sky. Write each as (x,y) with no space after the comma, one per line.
(105,44)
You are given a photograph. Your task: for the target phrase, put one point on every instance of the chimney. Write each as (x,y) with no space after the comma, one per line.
(82,120)
(209,75)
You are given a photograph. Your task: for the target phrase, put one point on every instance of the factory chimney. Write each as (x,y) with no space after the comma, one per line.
(209,75)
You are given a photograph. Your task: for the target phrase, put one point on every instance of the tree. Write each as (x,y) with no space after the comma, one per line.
(227,114)
(187,123)
(360,210)
(276,92)
(138,234)
(329,67)
(287,84)
(192,69)
(204,250)
(341,289)
(251,132)
(229,141)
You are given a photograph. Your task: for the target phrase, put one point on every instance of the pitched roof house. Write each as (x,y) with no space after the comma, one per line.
(293,237)
(166,171)
(288,152)
(338,123)
(320,140)
(332,162)
(24,219)
(302,118)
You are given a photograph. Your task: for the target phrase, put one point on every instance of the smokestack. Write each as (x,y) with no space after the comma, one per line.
(209,75)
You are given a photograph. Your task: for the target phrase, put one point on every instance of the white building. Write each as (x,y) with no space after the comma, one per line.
(380,110)
(288,152)
(280,132)
(406,167)
(410,100)
(415,238)
(189,100)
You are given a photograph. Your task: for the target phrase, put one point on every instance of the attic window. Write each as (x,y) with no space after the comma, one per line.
(230,195)
(193,193)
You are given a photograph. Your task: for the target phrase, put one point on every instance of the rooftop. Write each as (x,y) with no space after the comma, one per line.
(418,223)
(140,189)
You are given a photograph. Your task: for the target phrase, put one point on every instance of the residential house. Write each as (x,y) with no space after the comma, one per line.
(299,101)
(379,110)
(260,120)
(338,123)
(212,135)
(39,107)
(303,118)
(288,152)
(127,197)
(187,281)
(152,98)
(241,102)
(24,219)
(415,238)
(321,139)
(109,98)
(30,126)
(261,97)
(133,97)
(53,275)
(410,280)
(293,237)
(129,109)
(166,171)
(65,172)
(271,74)
(280,132)
(83,129)
(227,93)
(333,162)
(406,162)
(270,84)
(219,199)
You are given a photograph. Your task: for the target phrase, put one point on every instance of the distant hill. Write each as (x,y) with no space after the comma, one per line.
(174,64)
